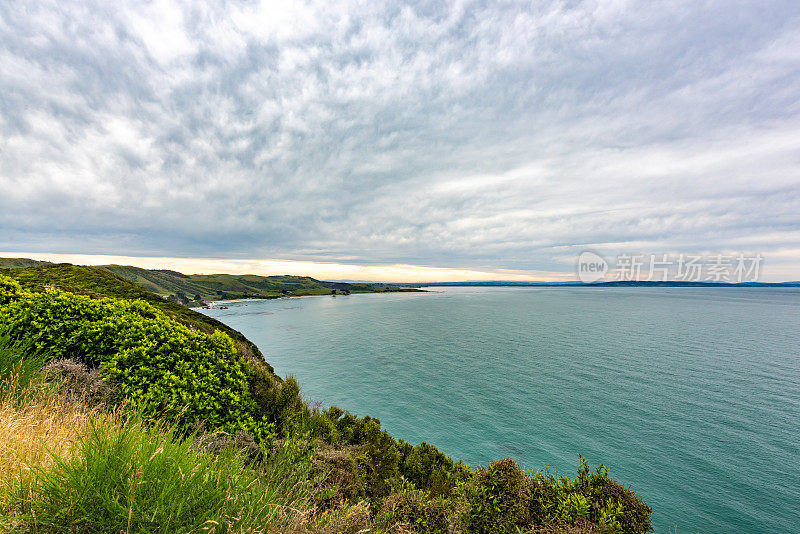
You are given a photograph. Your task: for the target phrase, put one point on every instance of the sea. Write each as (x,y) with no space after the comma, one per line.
(690,395)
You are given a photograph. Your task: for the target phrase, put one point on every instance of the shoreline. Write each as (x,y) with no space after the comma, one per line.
(211,303)
(215,303)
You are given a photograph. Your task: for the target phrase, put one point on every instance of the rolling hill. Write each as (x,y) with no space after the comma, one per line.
(202,287)
(20,263)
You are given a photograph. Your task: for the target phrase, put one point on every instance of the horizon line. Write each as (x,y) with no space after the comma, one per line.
(323,270)
(328,271)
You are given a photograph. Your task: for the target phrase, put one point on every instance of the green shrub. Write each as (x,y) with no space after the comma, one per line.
(187,377)
(158,365)
(10,290)
(322,425)
(63,325)
(592,497)
(380,460)
(412,509)
(497,498)
(622,507)
(544,491)
(277,402)
(378,452)
(343,478)
(426,467)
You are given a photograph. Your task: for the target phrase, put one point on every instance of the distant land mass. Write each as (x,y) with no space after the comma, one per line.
(616,283)
(196,289)
(20,263)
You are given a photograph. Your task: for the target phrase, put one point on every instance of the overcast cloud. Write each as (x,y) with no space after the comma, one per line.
(464,135)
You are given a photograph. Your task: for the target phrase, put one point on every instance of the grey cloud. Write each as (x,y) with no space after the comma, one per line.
(506,135)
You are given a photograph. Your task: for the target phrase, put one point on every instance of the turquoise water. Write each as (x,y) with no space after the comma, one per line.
(690,395)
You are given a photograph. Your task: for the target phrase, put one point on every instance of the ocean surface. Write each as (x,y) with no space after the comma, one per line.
(690,395)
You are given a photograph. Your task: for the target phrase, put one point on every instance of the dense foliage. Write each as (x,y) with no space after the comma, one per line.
(99,283)
(160,367)
(362,477)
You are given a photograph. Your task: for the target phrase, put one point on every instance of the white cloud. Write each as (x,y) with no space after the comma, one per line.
(459,135)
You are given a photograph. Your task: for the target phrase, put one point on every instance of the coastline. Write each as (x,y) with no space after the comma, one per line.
(212,303)
(215,302)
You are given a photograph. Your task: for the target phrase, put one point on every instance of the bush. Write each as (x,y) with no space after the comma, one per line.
(76,379)
(276,402)
(497,498)
(593,497)
(426,467)
(622,507)
(379,455)
(158,365)
(411,509)
(348,519)
(343,477)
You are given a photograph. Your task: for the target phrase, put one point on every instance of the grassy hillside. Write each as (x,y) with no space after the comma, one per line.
(199,287)
(20,263)
(103,283)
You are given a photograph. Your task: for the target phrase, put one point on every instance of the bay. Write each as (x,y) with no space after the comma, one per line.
(690,395)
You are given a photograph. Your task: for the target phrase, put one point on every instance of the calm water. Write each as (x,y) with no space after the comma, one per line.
(691,396)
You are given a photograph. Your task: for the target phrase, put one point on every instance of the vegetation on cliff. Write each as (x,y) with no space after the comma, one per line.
(117,417)
(195,288)
(98,283)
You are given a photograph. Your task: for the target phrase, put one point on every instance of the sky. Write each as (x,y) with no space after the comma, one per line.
(399,141)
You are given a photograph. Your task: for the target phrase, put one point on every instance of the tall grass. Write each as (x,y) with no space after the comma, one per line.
(18,367)
(35,429)
(147,479)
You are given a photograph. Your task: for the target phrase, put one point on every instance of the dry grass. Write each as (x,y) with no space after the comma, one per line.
(32,426)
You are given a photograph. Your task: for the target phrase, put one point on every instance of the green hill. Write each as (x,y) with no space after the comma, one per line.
(97,282)
(201,287)
(20,263)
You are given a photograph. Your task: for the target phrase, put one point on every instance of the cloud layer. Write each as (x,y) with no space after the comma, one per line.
(502,136)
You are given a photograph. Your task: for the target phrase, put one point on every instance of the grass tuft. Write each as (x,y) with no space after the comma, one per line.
(147,479)
(35,429)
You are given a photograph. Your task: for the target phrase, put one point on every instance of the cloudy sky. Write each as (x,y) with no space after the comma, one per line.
(378,140)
